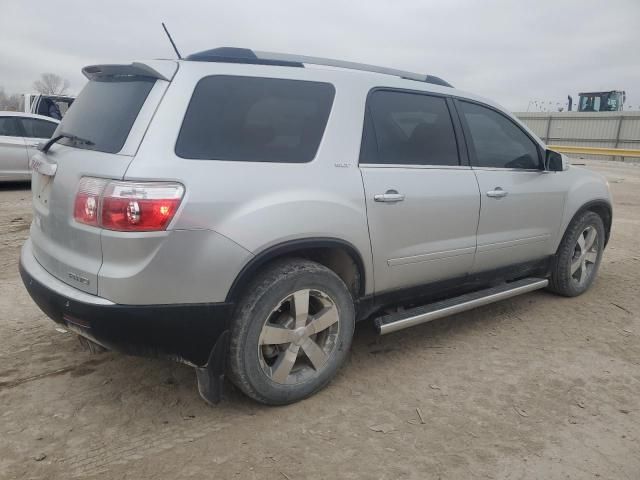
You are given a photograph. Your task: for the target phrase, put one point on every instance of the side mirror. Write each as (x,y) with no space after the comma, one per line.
(556,162)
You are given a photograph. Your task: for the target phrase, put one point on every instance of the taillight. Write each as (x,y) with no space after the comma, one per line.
(127,206)
(140,206)
(87,205)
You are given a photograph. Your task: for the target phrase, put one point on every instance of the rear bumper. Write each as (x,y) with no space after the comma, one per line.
(183,332)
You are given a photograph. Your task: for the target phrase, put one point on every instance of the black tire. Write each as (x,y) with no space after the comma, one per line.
(247,365)
(563,281)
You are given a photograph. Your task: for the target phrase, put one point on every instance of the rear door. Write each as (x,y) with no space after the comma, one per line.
(13,153)
(111,115)
(36,130)
(522,205)
(422,199)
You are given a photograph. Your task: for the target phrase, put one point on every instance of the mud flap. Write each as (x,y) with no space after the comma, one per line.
(211,377)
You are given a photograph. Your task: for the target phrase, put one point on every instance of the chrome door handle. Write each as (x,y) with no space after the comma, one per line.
(391,196)
(35,145)
(497,193)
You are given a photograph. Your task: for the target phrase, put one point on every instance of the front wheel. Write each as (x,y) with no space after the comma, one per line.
(292,332)
(579,256)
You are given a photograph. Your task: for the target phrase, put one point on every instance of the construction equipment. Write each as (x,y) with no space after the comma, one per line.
(611,101)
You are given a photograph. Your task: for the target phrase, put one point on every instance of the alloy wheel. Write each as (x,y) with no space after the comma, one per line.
(585,255)
(298,337)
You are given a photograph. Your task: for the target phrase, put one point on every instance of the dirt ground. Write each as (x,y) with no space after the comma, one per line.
(537,387)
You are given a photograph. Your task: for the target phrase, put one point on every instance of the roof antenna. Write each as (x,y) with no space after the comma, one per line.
(171,40)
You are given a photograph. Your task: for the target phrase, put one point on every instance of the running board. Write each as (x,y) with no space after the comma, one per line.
(425,313)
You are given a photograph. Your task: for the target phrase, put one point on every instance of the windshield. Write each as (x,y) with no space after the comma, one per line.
(104,112)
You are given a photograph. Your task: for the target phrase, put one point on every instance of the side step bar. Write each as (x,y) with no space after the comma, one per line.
(425,313)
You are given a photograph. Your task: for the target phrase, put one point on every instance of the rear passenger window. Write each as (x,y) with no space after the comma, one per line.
(497,141)
(34,128)
(9,127)
(408,129)
(255,119)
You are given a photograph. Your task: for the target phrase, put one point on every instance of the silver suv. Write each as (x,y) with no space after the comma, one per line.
(239,211)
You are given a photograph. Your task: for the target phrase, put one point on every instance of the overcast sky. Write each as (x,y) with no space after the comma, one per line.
(510,51)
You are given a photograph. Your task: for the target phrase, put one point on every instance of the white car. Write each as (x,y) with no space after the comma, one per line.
(20,134)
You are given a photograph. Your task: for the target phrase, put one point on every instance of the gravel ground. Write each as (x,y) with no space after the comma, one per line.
(537,387)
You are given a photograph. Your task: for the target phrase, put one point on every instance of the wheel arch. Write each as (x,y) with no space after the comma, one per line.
(600,207)
(327,251)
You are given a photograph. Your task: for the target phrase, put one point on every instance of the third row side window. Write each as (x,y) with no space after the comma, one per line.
(408,129)
(255,119)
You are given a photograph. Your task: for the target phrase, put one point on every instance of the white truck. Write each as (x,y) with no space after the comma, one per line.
(54,106)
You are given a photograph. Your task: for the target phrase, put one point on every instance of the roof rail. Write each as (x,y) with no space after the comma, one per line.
(245,55)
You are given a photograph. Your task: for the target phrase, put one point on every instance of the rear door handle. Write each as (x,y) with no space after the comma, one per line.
(497,193)
(390,196)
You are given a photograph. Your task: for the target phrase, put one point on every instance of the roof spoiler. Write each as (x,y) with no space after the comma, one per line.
(161,70)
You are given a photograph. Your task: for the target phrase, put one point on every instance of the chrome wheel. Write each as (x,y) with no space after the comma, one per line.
(585,255)
(298,337)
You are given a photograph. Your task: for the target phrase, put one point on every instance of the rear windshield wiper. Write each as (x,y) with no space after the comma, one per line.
(44,147)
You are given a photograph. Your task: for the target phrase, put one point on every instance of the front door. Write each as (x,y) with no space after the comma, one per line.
(521,204)
(422,203)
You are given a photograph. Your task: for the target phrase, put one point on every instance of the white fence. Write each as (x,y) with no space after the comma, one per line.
(586,129)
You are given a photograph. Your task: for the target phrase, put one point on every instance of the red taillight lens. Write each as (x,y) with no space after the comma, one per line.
(137,215)
(87,204)
(131,206)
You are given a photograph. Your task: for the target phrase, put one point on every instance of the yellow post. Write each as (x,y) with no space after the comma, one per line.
(609,152)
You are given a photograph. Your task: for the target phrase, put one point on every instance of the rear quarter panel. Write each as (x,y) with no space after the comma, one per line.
(259,205)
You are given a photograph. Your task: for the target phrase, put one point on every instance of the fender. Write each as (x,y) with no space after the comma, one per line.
(585,189)
(289,247)
(594,205)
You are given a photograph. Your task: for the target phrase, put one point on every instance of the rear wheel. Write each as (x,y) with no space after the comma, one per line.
(579,255)
(292,332)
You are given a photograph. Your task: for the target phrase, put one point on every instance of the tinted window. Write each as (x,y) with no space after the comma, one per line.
(255,119)
(497,141)
(35,128)
(104,112)
(410,129)
(9,127)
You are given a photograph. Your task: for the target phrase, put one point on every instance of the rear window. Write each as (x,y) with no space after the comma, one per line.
(255,119)
(36,128)
(104,112)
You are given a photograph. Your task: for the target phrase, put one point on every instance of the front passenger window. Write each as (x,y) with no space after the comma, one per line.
(497,141)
